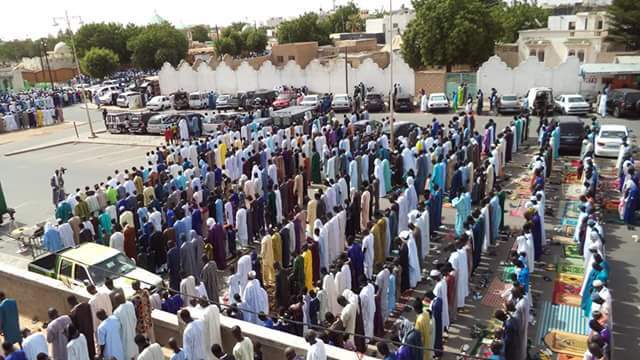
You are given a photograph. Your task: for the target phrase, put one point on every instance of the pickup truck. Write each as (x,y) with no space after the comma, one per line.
(91,263)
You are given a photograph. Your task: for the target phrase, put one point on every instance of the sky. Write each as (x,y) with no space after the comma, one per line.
(34,19)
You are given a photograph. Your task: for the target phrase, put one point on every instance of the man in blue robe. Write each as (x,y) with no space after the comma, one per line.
(496,216)
(173,265)
(597,272)
(435,306)
(437,206)
(357,262)
(9,320)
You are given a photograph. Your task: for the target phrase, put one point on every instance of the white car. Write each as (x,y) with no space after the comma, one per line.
(609,139)
(438,102)
(341,102)
(124,98)
(158,103)
(198,100)
(310,100)
(572,105)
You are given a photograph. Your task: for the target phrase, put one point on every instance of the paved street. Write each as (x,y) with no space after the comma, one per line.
(25,179)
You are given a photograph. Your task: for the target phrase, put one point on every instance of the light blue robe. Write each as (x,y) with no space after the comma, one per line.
(386,170)
(108,334)
(462,204)
(495,217)
(353,175)
(51,240)
(391,293)
(437,176)
(555,135)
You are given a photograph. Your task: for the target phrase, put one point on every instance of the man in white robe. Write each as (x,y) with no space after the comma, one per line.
(66,234)
(348,315)
(411,195)
(34,344)
(368,307)
(193,341)
(382,281)
(255,298)
(403,212)
(458,260)
(316,347)
(329,286)
(440,290)
(184,129)
(126,314)
(99,300)
(369,252)
(241,226)
(414,262)
(188,289)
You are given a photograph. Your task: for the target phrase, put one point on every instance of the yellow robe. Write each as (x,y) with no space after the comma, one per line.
(379,232)
(39,118)
(423,324)
(276,242)
(266,253)
(308,269)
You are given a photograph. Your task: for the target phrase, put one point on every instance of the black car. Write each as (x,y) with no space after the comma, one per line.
(400,128)
(138,121)
(571,133)
(403,103)
(374,103)
(623,102)
(180,100)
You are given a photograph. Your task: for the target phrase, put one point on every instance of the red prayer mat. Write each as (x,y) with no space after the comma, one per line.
(492,297)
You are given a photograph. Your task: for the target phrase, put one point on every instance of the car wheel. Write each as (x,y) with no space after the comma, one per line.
(616,112)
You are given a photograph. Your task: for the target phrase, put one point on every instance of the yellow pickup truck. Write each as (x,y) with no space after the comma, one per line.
(93,263)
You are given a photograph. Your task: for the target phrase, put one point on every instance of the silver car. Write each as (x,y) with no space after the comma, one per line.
(509,103)
(341,102)
(157,124)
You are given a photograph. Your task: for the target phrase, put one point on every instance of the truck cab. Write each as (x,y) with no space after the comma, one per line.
(91,263)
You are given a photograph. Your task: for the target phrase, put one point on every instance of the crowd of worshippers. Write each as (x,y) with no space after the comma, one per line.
(35,108)
(334,248)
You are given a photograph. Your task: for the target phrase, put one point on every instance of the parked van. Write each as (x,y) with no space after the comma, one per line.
(125,98)
(540,100)
(198,100)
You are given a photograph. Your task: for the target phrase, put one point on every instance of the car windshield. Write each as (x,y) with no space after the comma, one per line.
(341,98)
(612,134)
(575,99)
(115,266)
(438,98)
(195,97)
(224,97)
(373,97)
(155,119)
(309,98)
(509,98)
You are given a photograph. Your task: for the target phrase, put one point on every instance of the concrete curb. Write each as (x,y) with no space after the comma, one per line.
(40,147)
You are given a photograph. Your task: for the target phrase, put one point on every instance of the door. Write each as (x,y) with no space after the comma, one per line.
(65,272)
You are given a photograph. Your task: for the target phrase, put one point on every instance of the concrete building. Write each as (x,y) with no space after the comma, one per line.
(582,35)
(58,66)
(587,3)
(302,53)
(400,19)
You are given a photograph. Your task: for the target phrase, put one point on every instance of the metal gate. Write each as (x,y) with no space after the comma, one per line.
(455,79)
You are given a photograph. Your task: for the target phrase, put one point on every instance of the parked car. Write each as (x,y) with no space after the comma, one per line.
(138,121)
(400,128)
(341,102)
(361,125)
(571,133)
(374,102)
(438,102)
(158,103)
(93,263)
(158,123)
(198,100)
(609,139)
(259,98)
(293,115)
(403,103)
(623,102)
(187,115)
(227,101)
(126,97)
(107,93)
(540,100)
(118,122)
(215,122)
(572,105)
(180,100)
(508,103)
(284,100)
(310,100)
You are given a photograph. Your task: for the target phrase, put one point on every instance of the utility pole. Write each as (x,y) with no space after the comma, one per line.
(391,97)
(46,58)
(75,56)
(346,71)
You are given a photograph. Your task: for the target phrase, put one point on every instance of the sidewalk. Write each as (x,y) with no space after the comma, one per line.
(102,138)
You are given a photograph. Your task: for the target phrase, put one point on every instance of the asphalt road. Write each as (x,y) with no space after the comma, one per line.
(25,179)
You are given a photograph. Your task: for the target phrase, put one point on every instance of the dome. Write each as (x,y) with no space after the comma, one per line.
(61,49)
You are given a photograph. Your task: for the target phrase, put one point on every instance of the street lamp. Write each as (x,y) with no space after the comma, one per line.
(67,19)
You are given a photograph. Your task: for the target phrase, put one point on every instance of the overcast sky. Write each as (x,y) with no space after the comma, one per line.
(23,19)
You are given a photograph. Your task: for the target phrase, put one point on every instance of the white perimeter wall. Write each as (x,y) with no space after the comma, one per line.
(319,78)
(563,79)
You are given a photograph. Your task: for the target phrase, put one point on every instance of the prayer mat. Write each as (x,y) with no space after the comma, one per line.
(493,296)
(568,221)
(561,318)
(518,209)
(566,294)
(575,163)
(567,230)
(572,191)
(570,279)
(571,178)
(564,239)
(569,357)
(571,251)
(571,209)
(562,342)
(571,267)
(507,272)
(611,205)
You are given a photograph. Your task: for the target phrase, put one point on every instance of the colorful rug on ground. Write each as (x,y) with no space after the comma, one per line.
(517,208)
(571,267)
(567,240)
(566,343)
(566,294)
(493,296)
(562,318)
(507,272)
(571,251)
(572,191)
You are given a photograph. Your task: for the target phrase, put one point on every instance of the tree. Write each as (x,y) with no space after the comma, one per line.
(238,39)
(156,44)
(624,26)
(345,19)
(99,62)
(519,16)
(200,33)
(225,45)
(112,36)
(448,32)
(255,40)
(306,27)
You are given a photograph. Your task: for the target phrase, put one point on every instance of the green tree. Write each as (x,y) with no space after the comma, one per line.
(225,45)
(345,19)
(448,32)
(519,16)
(99,62)
(255,40)
(112,36)
(624,23)
(200,33)
(156,44)
(306,27)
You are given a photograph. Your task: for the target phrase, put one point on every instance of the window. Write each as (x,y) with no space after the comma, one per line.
(572,25)
(581,55)
(292,58)
(81,274)
(600,25)
(572,52)
(280,59)
(532,52)
(541,55)
(65,268)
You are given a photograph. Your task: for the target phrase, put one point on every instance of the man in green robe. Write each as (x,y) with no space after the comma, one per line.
(460,96)
(316,170)
(386,169)
(298,273)
(104,221)
(112,195)
(64,211)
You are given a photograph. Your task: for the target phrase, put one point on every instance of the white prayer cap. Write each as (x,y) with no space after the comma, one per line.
(404,235)
(597,283)
(210,222)
(252,274)
(528,205)
(434,273)
(533,198)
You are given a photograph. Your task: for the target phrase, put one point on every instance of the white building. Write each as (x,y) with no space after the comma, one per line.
(400,20)
(555,3)
(582,35)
